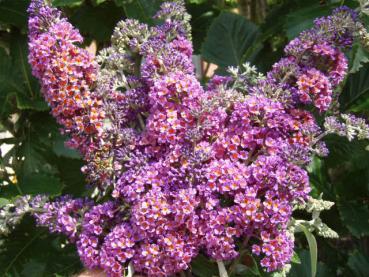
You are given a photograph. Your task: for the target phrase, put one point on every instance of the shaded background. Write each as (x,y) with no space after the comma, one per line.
(33,158)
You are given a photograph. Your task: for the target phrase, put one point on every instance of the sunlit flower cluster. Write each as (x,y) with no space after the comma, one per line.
(185,168)
(67,74)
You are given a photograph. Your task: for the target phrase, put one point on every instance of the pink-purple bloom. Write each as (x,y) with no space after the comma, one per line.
(186,168)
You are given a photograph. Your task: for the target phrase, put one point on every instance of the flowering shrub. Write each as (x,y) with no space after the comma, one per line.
(180,168)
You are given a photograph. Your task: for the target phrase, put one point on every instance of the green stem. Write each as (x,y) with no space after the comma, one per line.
(18,189)
(141,121)
(137,67)
(222,269)
(131,271)
(319,138)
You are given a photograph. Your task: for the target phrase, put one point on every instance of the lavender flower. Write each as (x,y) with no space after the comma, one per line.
(180,168)
(347,126)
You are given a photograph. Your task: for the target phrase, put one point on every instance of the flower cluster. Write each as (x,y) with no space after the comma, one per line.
(66,73)
(95,220)
(315,84)
(347,126)
(187,168)
(63,215)
(11,214)
(316,60)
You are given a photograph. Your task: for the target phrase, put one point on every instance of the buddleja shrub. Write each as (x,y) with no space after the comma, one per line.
(179,168)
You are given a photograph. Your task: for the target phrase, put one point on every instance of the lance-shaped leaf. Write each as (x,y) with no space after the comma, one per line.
(230,38)
(312,247)
(355,94)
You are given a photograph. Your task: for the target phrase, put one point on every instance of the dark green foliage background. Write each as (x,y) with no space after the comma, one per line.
(43,165)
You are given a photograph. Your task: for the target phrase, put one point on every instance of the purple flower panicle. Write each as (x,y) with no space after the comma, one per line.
(187,168)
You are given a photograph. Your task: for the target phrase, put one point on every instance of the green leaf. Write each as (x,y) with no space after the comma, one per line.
(304,268)
(272,36)
(3,202)
(197,2)
(34,268)
(351,184)
(295,258)
(29,251)
(8,85)
(244,271)
(61,150)
(355,216)
(312,247)
(14,12)
(319,179)
(345,172)
(97,22)
(38,168)
(361,105)
(98,2)
(229,38)
(29,96)
(41,184)
(121,3)
(143,10)
(67,3)
(356,91)
(25,103)
(359,264)
(202,17)
(303,19)
(16,78)
(9,191)
(248,269)
(203,267)
(32,155)
(350,153)
(359,56)
(71,175)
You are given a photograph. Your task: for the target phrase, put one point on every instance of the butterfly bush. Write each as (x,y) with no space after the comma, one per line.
(180,168)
